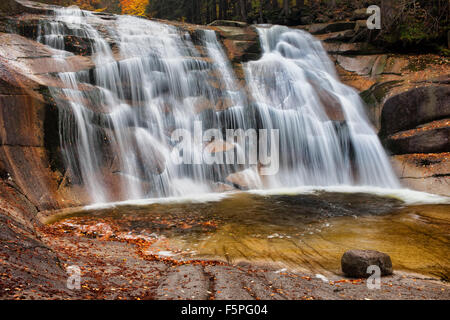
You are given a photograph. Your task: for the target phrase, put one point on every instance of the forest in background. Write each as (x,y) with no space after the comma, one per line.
(405,23)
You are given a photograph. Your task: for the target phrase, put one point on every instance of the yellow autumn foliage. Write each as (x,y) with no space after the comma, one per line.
(134,7)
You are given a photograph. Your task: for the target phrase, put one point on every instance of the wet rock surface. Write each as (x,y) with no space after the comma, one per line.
(241,44)
(415,124)
(428,172)
(29,150)
(28,267)
(119,264)
(121,268)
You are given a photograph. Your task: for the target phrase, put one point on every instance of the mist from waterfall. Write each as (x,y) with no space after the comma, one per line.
(151,78)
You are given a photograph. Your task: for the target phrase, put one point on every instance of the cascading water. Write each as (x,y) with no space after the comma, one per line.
(325,137)
(149,79)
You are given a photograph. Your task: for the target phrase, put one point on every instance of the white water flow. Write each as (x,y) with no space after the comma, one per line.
(150,79)
(325,137)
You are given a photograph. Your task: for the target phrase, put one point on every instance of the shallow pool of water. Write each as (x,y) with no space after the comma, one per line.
(303,231)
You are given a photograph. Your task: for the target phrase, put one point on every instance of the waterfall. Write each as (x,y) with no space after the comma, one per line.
(325,137)
(151,79)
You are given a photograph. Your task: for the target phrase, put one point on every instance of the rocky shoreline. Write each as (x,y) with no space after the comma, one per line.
(121,268)
(408,97)
(34,259)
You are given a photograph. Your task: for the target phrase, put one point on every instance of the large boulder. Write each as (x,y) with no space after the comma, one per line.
(345,35)
(10,7)
(375,96)
(355,48)
(13,7)
(245,180)
(361,65)
(236,33)
(241,43)
(228,23)
(360,14)
(415,107)
(331,105)
(354,263)
(433,137)
(322,28)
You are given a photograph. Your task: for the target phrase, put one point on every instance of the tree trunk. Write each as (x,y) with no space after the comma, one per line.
(299,3)
(286,8)
(261,4)
(286,11)
(274,4)
(388,13)
(243,7)
(195,12)
(214,10)
(208,12)
(221,9)
(225,9)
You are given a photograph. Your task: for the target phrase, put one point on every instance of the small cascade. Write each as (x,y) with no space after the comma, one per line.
(150,80)
(325,137)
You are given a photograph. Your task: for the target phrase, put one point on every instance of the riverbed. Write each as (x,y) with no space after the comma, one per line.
(306,232)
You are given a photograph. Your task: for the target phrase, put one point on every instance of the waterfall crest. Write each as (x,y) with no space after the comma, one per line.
(150,79)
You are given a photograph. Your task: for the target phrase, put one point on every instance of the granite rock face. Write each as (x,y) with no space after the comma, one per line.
(428,172)
(241,43)
(431,137)
(415,107)
(29,136)
(416,125)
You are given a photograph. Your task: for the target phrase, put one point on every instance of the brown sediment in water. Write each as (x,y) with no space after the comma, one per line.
(117,265)
(239,248)
(301,233)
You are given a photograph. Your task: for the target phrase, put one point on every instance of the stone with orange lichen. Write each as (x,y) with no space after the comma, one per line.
(433,137)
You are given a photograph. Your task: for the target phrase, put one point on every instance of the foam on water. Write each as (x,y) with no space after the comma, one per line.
(195,198)
(408,196)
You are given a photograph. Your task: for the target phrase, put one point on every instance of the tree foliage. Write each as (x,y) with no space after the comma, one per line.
(133,7)
(407,23)
(206,11)
(414,22)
